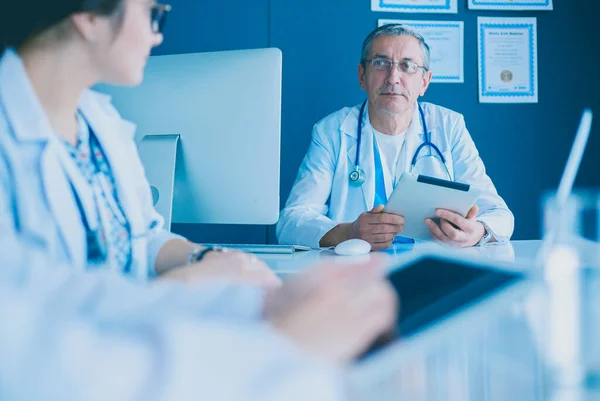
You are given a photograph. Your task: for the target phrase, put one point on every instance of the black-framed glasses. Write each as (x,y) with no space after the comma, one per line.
(159,16)
(385,64)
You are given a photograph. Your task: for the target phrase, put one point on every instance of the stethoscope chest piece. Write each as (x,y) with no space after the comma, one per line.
(357,177)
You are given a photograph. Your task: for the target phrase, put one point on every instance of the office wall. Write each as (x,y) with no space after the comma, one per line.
(523,146)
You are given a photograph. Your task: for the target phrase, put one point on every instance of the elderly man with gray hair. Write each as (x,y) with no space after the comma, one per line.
(357,155)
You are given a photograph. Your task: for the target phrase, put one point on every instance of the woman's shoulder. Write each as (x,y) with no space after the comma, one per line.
(99,106)
(99,102)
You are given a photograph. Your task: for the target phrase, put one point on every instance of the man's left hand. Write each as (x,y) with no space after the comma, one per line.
(456,230)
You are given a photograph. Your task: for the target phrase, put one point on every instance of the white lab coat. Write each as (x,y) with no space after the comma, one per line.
(322,196)
(37,204)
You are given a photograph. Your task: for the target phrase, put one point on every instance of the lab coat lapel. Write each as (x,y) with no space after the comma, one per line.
(116,137)
(414,138)
(23,109)
(59,171)
(367,161)
(33,128)
(108,130)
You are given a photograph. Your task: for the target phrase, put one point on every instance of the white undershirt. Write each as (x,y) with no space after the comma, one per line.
(390,150)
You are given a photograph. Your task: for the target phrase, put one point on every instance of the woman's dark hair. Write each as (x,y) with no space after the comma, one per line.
(25,20)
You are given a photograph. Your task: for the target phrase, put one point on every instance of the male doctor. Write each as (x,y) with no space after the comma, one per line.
(357,155)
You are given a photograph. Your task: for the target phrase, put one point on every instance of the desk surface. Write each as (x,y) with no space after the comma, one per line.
(520,251)
(498,353)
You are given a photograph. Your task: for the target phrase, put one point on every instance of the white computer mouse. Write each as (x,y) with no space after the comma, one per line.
(353,247)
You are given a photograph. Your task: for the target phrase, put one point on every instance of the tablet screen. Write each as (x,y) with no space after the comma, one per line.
(432,288)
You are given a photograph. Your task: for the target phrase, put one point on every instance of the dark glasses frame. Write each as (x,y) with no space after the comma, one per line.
(159,14)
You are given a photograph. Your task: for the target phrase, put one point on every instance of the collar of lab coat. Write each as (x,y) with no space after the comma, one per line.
(350,124)
(110,128)
(414,137)
(24,111)
(29,125)
(116,138)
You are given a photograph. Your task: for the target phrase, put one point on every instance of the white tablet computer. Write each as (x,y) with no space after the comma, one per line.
(416,197)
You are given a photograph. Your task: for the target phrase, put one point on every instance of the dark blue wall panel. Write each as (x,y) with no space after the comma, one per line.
(215,25)
(523,146)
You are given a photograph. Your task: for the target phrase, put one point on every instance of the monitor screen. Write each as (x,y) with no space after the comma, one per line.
(228,155)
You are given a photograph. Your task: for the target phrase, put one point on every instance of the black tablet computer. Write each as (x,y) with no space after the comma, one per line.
(431,288)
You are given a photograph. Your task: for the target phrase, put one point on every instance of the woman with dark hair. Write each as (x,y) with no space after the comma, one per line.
(70,178)
(72,187)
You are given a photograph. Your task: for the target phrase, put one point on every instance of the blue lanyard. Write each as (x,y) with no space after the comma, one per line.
(97,249)
(380,193)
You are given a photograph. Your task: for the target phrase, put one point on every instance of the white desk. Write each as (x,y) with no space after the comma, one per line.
(494,354)
(520,251)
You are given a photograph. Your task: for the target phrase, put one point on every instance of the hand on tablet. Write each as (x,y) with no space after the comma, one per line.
(334,312)
(378,228)
(456,230)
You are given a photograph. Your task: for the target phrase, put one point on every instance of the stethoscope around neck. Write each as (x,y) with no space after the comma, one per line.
(357,176)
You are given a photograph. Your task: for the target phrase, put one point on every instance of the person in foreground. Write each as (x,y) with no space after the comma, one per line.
(68,335)
(73,326)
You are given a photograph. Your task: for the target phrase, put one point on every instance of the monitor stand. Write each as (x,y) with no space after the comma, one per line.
(158,153)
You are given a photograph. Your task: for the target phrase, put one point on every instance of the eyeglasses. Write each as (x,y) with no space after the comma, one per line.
(385,64)
(159,16)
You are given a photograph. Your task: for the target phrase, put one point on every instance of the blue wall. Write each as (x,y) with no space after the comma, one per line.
(524,147)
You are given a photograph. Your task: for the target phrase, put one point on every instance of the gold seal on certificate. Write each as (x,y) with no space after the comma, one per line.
(506,76)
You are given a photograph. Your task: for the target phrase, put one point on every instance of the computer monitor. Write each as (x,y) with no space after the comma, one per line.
(208,133)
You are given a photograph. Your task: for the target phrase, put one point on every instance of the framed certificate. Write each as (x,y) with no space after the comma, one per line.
(446,42)
(416,6)
(515,5)
(508,71)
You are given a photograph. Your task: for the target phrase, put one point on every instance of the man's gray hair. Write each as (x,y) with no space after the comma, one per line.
(395,30)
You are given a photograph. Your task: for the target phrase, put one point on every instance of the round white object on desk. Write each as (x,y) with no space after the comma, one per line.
(353,247)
